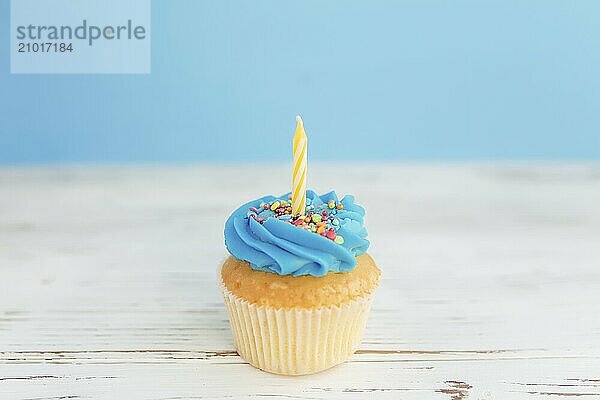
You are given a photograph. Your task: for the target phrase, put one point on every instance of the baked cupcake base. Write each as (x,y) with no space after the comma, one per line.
(296,340)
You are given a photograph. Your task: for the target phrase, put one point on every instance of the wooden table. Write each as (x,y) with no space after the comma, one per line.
(490,289)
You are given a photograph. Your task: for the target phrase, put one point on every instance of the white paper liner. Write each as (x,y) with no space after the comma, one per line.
(296,341)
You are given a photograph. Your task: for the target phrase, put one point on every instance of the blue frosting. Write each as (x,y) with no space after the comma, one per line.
(277,246)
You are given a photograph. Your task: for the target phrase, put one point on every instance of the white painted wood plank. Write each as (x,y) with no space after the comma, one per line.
(491,282)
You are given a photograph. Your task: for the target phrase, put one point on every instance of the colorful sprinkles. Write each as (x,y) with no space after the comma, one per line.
(319,219)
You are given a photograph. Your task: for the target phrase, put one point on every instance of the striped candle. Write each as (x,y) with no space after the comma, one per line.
(299,174)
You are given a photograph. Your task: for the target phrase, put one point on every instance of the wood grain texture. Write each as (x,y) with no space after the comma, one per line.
(490,287)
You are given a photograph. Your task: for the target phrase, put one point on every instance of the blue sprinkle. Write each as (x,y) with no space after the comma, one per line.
(265,214)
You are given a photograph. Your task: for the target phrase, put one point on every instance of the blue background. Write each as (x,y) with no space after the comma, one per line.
(410,80)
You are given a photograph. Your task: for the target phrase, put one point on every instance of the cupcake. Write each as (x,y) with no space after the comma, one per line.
(298,289)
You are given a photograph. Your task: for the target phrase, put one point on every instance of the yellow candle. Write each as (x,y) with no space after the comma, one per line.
(299,174)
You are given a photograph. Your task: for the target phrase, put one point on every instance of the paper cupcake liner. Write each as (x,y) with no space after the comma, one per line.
(296,341)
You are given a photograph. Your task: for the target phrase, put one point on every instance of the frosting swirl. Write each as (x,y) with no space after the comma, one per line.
(269,242)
